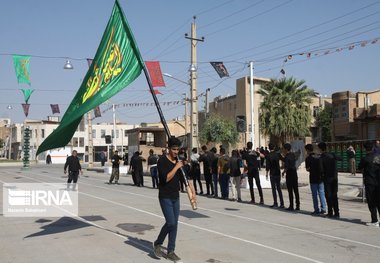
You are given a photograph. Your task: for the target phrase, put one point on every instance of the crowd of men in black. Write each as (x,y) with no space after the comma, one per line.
(222,171)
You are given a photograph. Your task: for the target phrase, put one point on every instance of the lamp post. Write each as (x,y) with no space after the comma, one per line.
(9,107)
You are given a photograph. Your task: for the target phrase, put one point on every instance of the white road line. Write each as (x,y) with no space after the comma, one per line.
(192,226)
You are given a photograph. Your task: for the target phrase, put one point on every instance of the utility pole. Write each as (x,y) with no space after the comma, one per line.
(206,101)
(252,105)
(193,86)
(186,121)
(90,141)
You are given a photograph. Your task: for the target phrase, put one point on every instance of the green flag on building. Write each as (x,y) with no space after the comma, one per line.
(21,64)
(116,64)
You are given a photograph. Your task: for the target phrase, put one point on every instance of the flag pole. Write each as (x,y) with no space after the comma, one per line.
(163,121)
(189,188)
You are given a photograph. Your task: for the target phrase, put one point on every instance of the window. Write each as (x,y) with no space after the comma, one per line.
(81,141)
(75,142)
(42,133)
(93,133)
(336,112)
(125,133)
(117,133)
(102,133)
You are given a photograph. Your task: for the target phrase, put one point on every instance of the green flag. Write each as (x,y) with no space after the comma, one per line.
(21,64)
(27,93)
(116,64)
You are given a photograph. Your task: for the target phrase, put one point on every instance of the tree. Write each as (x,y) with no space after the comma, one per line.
(284,111)
(219,130)
(324,121)
(1,143)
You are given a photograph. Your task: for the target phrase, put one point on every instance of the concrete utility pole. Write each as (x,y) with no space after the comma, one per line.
(252,105)
(186,121)
(90,141)
(206,101)
(114,128)
(193,86)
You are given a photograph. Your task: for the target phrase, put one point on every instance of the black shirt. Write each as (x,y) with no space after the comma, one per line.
(205,158)
(370,164)
(314,166)
(273,163)
(115,161)
(329,169)
(168,189)
(152,159)
(73,163)
(251,158)
(214,163)
(289,162)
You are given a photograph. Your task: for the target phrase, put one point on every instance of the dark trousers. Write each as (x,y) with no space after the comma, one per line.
(73,177)
(153,173)
(134,177)
(170,209)
(275,182)
(373,199)
(139,178)
(331,192)
(224,180)
(196,174)
(292,185)
(209,185)
(255,174)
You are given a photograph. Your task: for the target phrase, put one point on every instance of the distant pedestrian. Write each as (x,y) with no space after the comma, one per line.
(314,167)
(115,167)
(370,166)
(137,168)
(224,172)
(351,159)
(152,167)
(290,170)
(252,164)
(125,158)
(214,170)
(205,158)
(330,179)
(272,167)
(72,162)
(103,157)
(48,159)
(195,171)
(235,175)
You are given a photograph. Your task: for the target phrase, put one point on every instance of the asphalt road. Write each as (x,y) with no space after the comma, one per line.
(117,223)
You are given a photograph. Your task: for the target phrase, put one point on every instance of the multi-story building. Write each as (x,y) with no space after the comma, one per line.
(40,129)
(356,116)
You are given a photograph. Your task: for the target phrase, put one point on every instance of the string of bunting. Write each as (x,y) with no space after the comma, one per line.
(328,51)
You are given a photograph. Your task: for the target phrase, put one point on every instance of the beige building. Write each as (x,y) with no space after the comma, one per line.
(239,104)
(356,116)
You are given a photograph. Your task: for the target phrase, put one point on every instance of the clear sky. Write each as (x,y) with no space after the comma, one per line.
(235,32)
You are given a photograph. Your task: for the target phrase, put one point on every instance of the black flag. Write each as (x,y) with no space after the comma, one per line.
(54,108)
(97,112)
(220,69)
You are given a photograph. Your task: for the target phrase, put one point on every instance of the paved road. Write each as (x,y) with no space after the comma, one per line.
(117,223)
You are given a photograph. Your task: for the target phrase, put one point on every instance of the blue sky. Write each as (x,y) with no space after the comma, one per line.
(235,32)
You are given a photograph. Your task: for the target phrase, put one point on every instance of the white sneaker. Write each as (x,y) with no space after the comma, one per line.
(373,224)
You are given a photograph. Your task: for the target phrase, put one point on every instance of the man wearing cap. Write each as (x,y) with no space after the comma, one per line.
(169,173)
(115,167)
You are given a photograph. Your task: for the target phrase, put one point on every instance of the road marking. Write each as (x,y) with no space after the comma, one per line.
(186,224)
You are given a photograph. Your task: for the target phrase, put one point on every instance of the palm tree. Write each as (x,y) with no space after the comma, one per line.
(284,111)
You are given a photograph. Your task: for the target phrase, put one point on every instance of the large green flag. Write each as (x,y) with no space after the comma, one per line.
(21,64)
(116,64)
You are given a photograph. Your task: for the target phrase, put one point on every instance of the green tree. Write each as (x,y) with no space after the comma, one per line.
(219,130)
(324,121)
(284,111)
(1,143)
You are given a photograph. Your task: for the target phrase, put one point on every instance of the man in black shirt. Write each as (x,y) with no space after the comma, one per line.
(370,166)
(291,176)
(152,167)
(137,169)
(115,167)
(74,168)
(313,166)
(273,167)
(252,163)
(330,179)
(170,175)
(205,158)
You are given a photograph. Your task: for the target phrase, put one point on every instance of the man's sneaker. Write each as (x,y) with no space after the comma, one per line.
(372,224)
(173,257)
(157,250)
